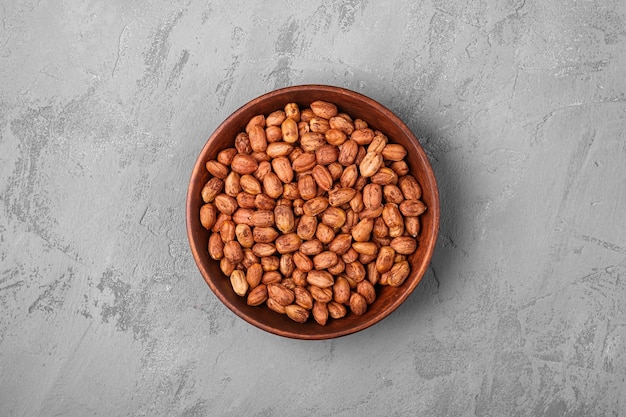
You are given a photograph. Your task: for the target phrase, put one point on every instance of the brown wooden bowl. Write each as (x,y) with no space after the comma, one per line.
(379,118)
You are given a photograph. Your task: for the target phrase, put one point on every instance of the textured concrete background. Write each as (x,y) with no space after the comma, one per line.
(520,106)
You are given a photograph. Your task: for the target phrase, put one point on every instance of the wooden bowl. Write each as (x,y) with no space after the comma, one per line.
(379,118)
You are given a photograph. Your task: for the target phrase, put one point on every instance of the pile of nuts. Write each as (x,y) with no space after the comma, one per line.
(309,211)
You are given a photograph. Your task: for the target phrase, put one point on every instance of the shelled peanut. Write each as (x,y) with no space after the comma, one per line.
(310,211)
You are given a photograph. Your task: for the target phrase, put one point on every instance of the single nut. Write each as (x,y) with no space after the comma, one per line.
(320,313)
(378,144)
(250,184)
(398,274)
(258,120)
(356,204)
(324,109)
(371,273)
(286,265)
(340,244)
(271,277)
(258,139)
(325,233)
(231,184)
(325,260)
(254,274)
(335,137)
(297,313)
(217,169)
(393,194)
(288,243)
(320,278)
(336,310)
(289,128)
(326,154)
(244,164)
(362,136)
(342,124)
(292,111)
(264,234)
(257,295)
(277,149)
(242,144)
(291,192)
(303,297)
(401,168)
(367,290)
(227,267)
(244,235)
(264,202)
(274,306)
(385,259)
(211,189)
(311,248)
(262,218)
(323,295)
(307,187)
(358,304)
(412,208)
(246,200)
(238,282)
(228,232)
(225,156)
(263,249)
(334,217)
(275,118)
(371,213)
(340,196)
(208,215)
(404,245)
(282,167)
(249,258)
(280,294)
(338,268)
(302,262)
(315,206)
(284,218)
(361,232)
(368,249)
(336,170)
(384,176)
(348,152)
(216,247)
(270,263)
(356,271)
(273,134)
(307,227)
(322,177)
(319,125)
(394,152)
(304,162)
(372,196)
(312,141)
(349,176)
(341,290)
(233,252)
(412,225)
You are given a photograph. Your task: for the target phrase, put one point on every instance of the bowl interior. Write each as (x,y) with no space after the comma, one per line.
(379,118)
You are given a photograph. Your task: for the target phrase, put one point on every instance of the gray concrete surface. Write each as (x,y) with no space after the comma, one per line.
(519,104)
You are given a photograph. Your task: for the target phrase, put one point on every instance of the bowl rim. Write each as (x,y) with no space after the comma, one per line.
(434,206)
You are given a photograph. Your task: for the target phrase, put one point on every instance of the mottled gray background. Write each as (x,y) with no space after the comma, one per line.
(520,105)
